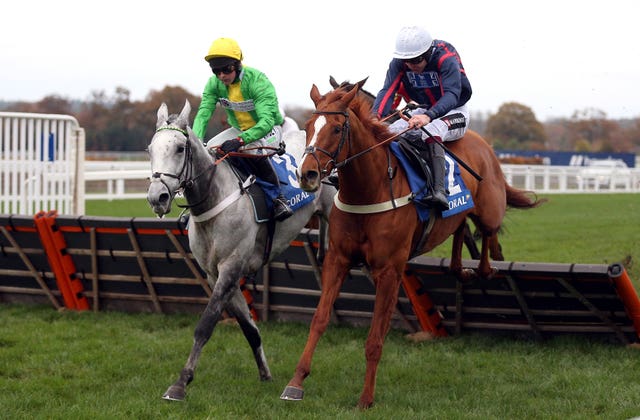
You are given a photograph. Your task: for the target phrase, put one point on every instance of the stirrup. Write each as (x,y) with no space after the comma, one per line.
(435,201)
(439,200)
(281,210)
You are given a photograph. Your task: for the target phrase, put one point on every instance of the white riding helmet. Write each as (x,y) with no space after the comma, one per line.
(411,42)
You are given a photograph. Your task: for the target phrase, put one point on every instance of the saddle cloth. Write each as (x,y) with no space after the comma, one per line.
(263,193)
(459,195)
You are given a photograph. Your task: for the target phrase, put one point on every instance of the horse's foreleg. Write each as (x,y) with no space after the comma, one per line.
(387,282)
(239,309)
(210,317)
(333,275)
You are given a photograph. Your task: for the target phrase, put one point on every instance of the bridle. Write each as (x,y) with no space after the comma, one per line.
(185,175)
(346,135)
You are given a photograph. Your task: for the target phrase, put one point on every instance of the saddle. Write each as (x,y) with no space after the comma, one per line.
(285,168)
(243,170)
(415,151)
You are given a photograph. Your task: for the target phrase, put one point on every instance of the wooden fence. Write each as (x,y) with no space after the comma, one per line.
(145,265)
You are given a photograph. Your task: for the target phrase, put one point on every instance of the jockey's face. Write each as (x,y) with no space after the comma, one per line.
(226,74)
(416,64)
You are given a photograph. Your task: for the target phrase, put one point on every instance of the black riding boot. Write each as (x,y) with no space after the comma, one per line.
(265,171)
(438,197)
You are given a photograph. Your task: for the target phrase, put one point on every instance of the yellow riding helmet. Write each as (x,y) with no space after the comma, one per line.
(224,47)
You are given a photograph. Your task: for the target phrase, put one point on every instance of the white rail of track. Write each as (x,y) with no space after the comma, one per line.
(112,180)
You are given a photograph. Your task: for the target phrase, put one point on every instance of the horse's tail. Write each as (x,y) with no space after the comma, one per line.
(522,199)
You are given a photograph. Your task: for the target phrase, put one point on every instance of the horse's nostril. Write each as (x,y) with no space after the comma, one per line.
(311,175)
(164,197)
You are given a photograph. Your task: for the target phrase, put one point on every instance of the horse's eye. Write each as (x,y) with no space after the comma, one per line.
(180,149)
(337,129)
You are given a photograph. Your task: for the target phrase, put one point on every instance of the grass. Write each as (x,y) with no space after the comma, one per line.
(116,365)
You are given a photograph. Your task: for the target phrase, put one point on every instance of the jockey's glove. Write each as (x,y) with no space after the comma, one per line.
(230,145)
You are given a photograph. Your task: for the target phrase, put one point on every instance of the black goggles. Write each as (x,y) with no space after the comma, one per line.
(415,60)
(228,69)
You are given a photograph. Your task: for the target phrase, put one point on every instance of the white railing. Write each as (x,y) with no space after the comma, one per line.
(571,179)
(112,180)
(129,179)
(39,163)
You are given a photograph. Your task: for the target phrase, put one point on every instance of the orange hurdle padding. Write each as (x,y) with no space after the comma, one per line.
(627,293)
(429,318)
(60,261)
(249,298)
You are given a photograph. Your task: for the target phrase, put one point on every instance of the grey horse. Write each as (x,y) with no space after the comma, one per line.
(224,237)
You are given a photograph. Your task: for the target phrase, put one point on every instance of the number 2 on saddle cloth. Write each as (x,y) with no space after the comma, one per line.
(419,176)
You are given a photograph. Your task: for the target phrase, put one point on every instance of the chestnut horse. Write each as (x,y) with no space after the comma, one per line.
(341,133)
(468,237)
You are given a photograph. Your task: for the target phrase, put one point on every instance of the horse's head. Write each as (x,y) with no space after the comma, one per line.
(170,153)
(327,135)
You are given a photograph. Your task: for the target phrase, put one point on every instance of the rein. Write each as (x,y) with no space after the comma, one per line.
(346,135)
(276,151)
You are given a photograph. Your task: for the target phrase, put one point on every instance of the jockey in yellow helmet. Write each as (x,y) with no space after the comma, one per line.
(251,104)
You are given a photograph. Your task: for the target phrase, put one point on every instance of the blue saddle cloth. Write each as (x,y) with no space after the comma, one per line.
(459,195)
(285,166)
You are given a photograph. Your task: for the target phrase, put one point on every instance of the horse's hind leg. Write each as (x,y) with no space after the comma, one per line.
(210,317)
(495,248)
(323,237)
(485,270)
(470,242)
(239,309)
(455,266)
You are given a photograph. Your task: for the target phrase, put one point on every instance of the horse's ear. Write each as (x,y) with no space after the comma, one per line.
(348,97)
(163,115)
(315,95)
(183,118)
(333,82)
(362,82)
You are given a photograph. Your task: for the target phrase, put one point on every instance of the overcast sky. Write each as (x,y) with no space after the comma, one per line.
(555,57)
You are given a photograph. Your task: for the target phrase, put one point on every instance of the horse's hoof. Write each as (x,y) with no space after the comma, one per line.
(365,404)
(174,393)
(490,274)
(265,378)
(467,276)
(291,393)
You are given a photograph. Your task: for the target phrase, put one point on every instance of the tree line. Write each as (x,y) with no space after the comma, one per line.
(117,123)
